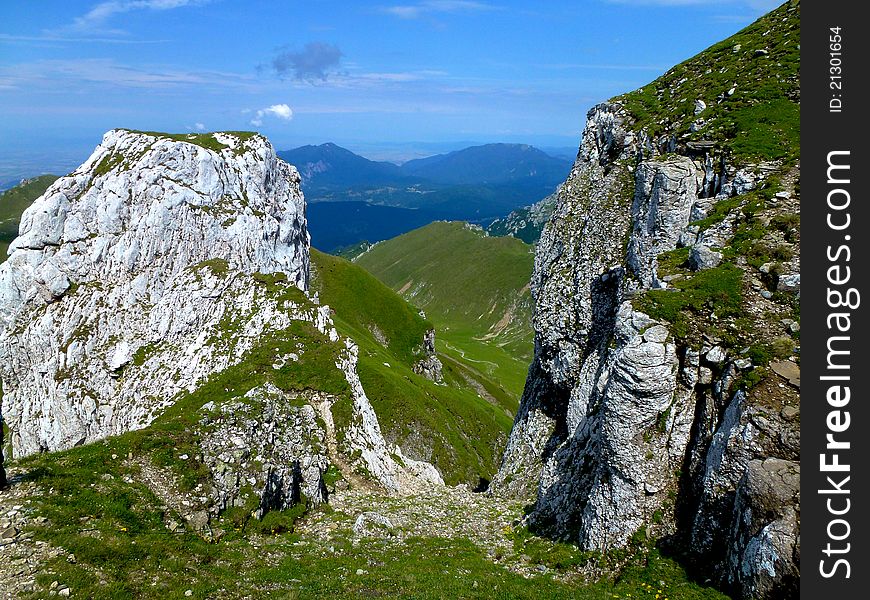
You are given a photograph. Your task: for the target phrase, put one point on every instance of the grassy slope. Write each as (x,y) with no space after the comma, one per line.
(759,122)
(466,283)
(13,202)
(100,510)
(761,119)
(451,425)
(114,525)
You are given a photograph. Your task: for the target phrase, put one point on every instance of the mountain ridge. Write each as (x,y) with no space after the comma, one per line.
(666,284)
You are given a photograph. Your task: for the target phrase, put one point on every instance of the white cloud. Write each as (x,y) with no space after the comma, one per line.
(96,18)
(199,126)
(415,11)
(63,76)
(281,111)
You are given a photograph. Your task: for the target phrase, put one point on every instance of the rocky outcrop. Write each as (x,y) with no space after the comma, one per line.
(107,275)
(268,441)
(2,470)
(429,366)
(663,199)
(621,427)
(525,223)
(157,264)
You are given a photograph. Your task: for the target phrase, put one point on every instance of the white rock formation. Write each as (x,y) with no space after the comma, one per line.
(157,263)
(614,410)
(111,269)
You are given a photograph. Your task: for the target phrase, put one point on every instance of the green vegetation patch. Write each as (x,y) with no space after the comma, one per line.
(475,290)
(673,261)
(450,425)
(217,266)
(461,433)
(204,140)
(715,291)
(751,87)
(368,308)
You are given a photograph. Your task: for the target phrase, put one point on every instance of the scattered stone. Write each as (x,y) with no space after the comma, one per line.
(789,283)
(198,520)
(788,370)
(371,524)
(790,412)
(700,106)
(791,325)
(766,294)
(702,258)
(766,267)
(188,593)
(64,592)
(743,363)
(716,355)
(760,52)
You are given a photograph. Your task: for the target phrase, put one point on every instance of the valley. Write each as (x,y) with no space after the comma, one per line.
(230,371)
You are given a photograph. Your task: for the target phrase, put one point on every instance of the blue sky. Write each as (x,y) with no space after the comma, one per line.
(389,79)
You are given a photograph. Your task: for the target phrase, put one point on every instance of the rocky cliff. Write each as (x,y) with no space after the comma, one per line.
(665,286)
(161,266)
(525,223)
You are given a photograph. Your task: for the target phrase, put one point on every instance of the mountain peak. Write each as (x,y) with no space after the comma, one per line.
(114,256)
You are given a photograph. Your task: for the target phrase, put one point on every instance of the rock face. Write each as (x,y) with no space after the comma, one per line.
(159,263)
(621,427)
(104,275)
(429,366)
(2,470)
(525,223)
(268,440)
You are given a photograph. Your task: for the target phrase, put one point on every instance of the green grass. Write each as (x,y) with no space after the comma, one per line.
(13,202)
(369,308)
(114,526)
(714,291)
(473,287)
(449,425)
(761,120)
(673,261)
(204,140)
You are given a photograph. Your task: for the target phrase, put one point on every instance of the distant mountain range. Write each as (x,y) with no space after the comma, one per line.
(490,164)
(329,167)
(477,184)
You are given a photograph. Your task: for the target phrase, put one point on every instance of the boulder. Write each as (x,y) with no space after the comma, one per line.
(702,258)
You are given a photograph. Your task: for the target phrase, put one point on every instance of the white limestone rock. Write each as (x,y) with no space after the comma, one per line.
(144,272)
(113,266)
(613,410)
(664,195)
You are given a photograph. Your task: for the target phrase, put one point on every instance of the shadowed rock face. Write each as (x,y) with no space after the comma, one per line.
(107,270)
(620,426)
